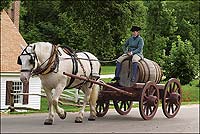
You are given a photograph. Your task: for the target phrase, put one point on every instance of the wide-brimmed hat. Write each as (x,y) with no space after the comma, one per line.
(135,28)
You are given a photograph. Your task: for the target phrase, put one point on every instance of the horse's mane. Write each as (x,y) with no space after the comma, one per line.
(68,48)
(42,47)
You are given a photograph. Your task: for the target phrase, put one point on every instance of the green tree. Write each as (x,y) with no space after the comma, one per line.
(182,62)
(37,21)
(187,16)
(102,27)
(161,25)
(5,4)
(99,27)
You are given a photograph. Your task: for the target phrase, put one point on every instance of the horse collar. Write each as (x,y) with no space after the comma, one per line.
(51,64)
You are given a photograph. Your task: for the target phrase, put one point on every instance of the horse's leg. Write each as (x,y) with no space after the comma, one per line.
(87,91)
(49,120)
(93,99)
(58,91)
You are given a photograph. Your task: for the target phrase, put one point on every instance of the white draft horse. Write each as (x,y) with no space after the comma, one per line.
(49,62)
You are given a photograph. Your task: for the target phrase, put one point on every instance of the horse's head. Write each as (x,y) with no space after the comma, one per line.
(27,61)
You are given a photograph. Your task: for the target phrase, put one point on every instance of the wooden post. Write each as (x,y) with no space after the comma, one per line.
(76,96)
(25,90)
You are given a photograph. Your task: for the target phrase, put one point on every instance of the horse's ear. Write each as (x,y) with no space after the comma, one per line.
(22,47)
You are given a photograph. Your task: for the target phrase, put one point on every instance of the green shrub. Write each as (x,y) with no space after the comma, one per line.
(182,63)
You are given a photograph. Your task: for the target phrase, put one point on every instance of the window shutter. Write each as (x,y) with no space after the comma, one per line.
(25,90)
(9,85)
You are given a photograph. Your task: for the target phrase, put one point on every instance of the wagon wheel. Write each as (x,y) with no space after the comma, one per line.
(102,108)
(171,100)
(149,101)
(102,105)
(122,107)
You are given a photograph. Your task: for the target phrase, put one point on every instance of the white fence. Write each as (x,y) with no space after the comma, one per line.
(69,95)
(72,95)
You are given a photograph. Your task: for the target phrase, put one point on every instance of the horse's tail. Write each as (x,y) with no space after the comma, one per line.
(94,95)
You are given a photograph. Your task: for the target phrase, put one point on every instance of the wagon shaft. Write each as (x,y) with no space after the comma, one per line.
(99,83)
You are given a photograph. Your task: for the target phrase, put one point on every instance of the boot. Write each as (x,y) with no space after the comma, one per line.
(135,68)
(117,72)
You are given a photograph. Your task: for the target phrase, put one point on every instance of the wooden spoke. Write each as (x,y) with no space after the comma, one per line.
(151,110)
(172,106)
(147,110)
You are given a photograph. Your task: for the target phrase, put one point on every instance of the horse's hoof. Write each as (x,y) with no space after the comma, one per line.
(78,120)
(91,118)
(48,122)
(63,116)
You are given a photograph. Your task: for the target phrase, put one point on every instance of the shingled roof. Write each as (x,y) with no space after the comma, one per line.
(10,44)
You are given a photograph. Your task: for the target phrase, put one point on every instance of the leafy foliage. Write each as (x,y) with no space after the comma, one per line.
(182,62)
(161,25)
(102,27)
(5,4)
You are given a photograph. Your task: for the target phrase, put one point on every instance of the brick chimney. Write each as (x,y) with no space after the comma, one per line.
(14,12)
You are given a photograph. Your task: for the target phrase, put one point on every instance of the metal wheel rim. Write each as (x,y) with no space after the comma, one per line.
(171,108)
(149,91)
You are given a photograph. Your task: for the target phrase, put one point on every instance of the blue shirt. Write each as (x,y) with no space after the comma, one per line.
(134,45)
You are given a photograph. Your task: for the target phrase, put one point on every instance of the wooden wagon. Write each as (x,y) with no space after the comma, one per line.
(147,91)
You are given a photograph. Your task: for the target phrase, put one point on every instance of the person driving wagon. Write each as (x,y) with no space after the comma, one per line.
(133,47)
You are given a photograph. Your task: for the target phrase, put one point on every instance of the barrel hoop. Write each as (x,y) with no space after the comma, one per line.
(152,68)
(141,72)
(148,70)
(161,73)
(157,72)
(160,70)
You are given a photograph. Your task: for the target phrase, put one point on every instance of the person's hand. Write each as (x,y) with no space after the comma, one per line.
(129,53)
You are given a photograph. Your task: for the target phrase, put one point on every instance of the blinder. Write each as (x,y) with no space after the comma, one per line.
(31,61)
(19,62)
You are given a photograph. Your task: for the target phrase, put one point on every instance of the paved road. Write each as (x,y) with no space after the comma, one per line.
(187,120)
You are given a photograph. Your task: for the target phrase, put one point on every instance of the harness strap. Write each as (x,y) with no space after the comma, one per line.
(90,62)
(74,69)
(82,67)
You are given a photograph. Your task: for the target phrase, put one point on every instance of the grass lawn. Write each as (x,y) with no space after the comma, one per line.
(107,70)
(191,92)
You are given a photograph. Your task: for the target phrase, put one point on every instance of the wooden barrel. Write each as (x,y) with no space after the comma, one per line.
(148,70)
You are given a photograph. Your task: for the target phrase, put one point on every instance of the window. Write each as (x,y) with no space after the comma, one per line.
(17,88)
